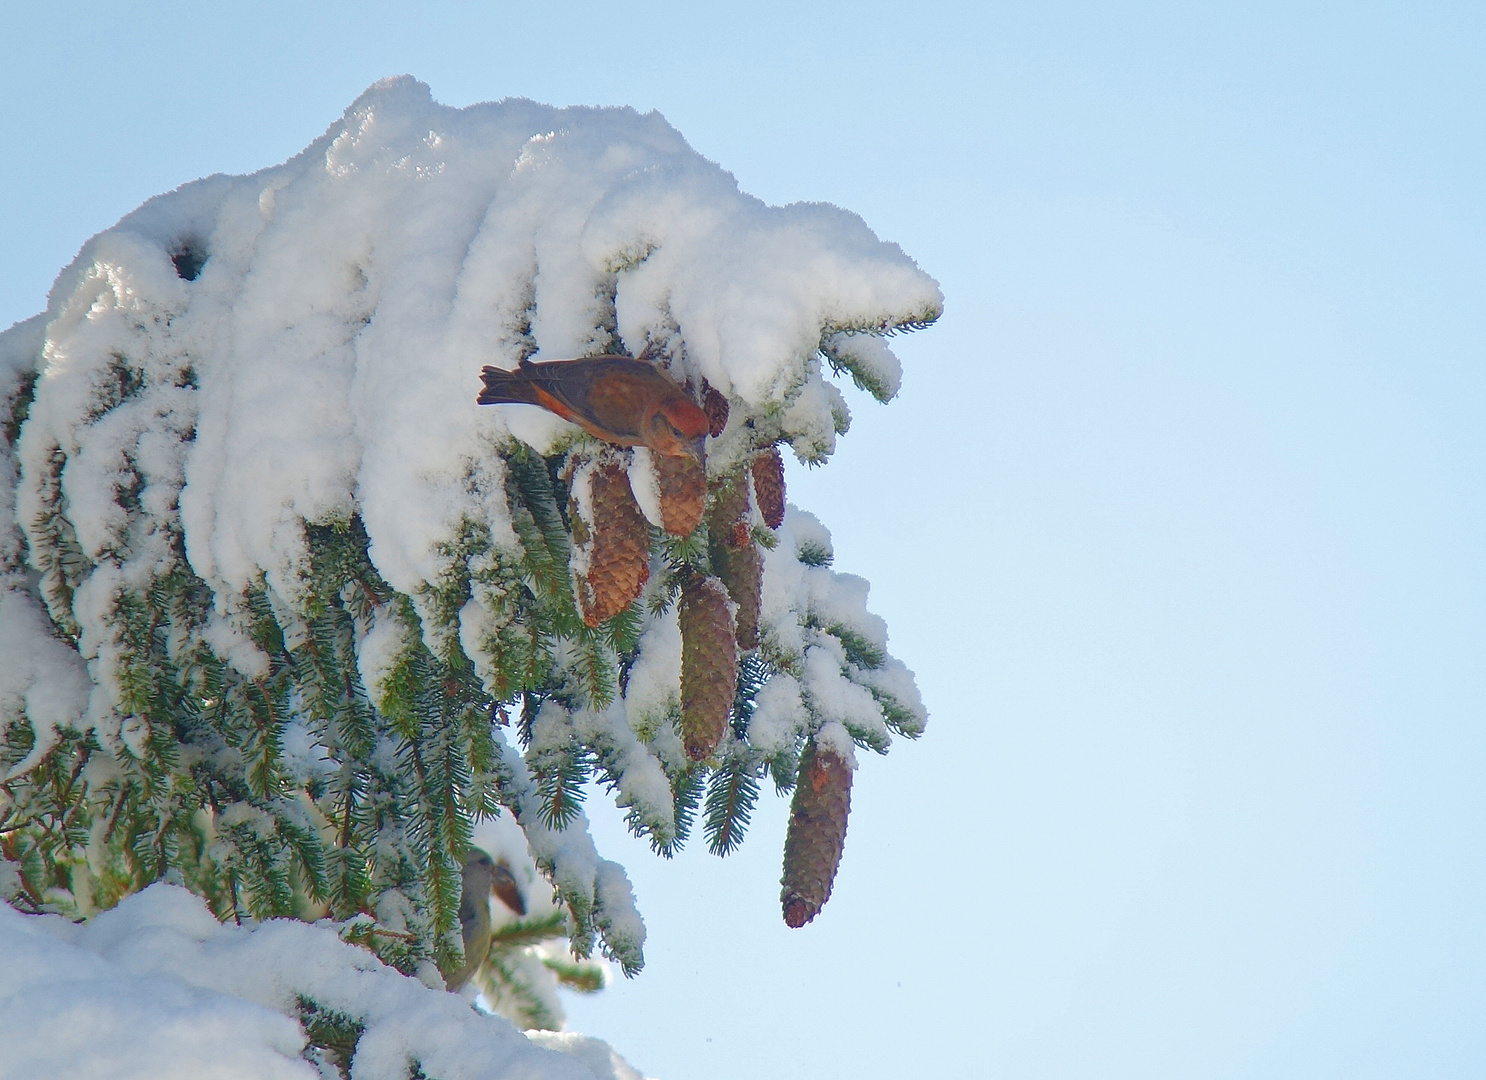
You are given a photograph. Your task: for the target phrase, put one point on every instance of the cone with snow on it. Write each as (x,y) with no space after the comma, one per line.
(612,542)
(817,832)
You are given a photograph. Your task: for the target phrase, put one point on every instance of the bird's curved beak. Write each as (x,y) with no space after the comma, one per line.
(696,449)
(503,885)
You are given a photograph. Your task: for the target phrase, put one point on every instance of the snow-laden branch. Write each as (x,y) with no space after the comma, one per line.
(283,612)
(157,987)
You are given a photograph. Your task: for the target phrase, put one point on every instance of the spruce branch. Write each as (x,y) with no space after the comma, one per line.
(731,795)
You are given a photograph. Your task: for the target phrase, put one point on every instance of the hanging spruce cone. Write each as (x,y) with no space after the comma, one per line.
(742,573)
(736,560)
(729,511)
(715,405)
(683,493)
(816,834)
(768,486)
(709,664)
(618,547)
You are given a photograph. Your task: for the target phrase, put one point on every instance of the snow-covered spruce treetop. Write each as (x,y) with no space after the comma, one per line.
(284,611)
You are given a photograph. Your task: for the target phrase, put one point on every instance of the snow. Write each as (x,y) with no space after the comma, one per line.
(595,1053)
(653,693)
(567,855)
(778,715)
(870,362)
(830,694)
(642,784)
(41,678)
(350,296)
(19,348)
(250,356)
(157,989)
(580,491)
(644,484)
(324,361)
(379,650)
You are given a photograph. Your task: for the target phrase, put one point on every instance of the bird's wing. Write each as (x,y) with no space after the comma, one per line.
(557,403)
(604,395)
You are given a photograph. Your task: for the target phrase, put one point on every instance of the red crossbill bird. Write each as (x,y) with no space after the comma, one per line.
(616,398)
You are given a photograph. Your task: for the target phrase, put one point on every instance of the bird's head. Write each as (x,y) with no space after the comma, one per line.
(479,870)
(678,428)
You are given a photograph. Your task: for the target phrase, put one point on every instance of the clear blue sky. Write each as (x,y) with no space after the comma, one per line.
(1179,517)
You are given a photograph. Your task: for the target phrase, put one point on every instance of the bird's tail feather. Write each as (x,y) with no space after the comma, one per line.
(506,386)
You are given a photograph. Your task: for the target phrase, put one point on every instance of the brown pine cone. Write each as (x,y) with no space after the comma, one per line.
(735,558)
(768,486)
(742,574)
(715,405)
(618,542)
(683,493)
(816,835)
(729,508)
(709,665)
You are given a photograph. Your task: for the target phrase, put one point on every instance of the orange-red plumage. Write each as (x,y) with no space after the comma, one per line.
(618,399)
